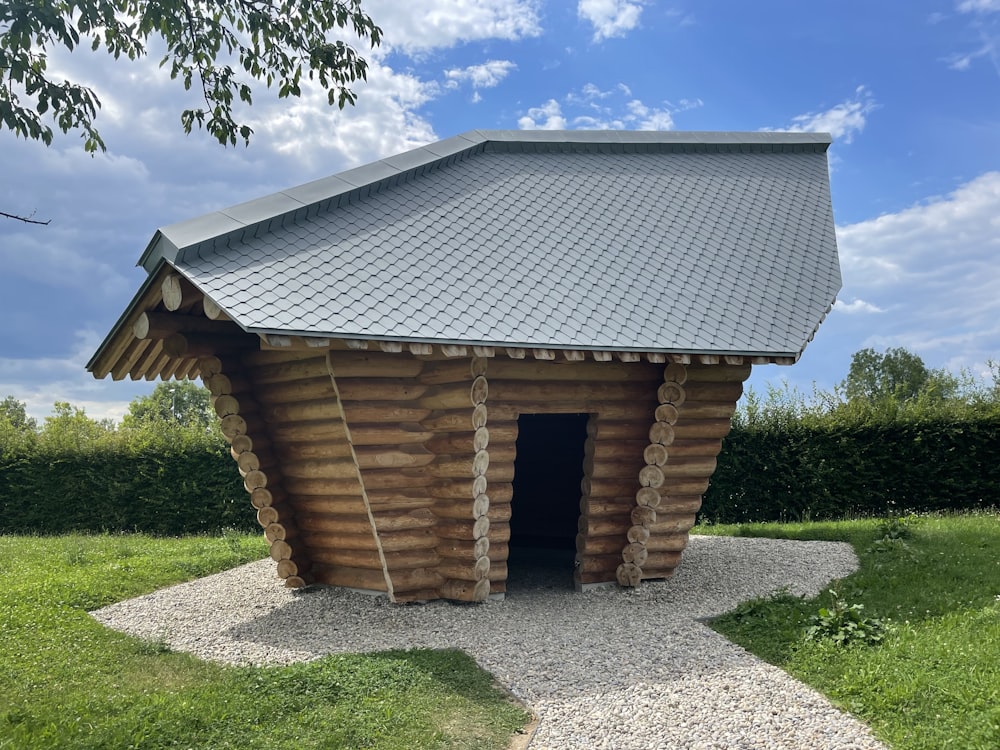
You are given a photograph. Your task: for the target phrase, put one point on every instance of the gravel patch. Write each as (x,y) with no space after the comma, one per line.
(605,669)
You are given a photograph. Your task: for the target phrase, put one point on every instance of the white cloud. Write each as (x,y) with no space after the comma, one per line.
(856,306)
(933,268)
(546,117)
(979,6)
(418,26)
(843,121)
(483,76)
(610,18)
(597,109)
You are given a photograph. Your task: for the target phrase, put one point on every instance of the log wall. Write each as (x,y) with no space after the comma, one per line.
(390,469)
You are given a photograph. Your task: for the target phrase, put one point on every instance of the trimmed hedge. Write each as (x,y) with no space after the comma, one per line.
(830,467)
(167,488)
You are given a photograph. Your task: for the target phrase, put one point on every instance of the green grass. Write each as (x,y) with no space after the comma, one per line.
(933,681)
(68,682)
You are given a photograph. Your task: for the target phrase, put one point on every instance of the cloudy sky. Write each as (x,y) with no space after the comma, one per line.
(910,92)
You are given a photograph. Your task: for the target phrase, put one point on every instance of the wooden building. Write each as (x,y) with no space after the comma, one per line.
(414,359)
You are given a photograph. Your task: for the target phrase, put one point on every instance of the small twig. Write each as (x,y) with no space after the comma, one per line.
(25,219)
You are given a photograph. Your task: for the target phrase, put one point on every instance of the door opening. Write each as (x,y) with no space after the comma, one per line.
(545,509)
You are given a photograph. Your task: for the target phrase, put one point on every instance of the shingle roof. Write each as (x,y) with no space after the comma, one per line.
(675,242)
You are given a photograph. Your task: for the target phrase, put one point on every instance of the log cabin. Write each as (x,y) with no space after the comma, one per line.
(503,338)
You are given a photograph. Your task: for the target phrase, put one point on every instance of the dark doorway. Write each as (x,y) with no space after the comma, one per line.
(545,509)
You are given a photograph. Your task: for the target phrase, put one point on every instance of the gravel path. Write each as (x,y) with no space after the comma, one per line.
(606,669)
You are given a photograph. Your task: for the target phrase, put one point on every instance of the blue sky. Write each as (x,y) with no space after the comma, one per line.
(910,92)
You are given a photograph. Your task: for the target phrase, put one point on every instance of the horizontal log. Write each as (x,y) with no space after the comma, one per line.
(591,578)
(613,468)
(609,488)
(317,539)
(652,476)
(601,545)
(400,433)
(671,539)
(470,529)
(456,420)
(318,468)
(706,410)
(718,373)
(691,429)
(515,391)
(387,413)
(405,581)
(379,389)
(226,405)
(465,591)
(657,575)
(648,497)
(371,559)
(579,371)
(213,365)
(355,578)
(374,457)
(153,325)
(663,561)
(458,489)
(246,461)
(402,520)
(399,499)
(453,371)
(330,448)
(463,509)
(618,448)
(241,424)
(227,385)
(594,507)
(695,447)
(493,511)
(307,431)
(604,526)
(347,486)
(391,541)
(287,367)
(290,392)
(371,364)
(599,563)
(254,480)
(680,504)
(317,409)
(466,549)
(689,466)
(473,570)
(348,525)
(685,486)
(334,505)
(668,524)
(701,391)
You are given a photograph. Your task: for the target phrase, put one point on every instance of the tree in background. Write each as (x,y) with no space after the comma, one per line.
(181,402)
(14,413)
(215,46)
(69,430)
(896,374)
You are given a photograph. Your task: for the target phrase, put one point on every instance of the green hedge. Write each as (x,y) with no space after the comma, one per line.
(832,467)
(171,486)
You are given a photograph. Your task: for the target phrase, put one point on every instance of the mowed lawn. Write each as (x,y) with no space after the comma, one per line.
(69,682)
(910,643)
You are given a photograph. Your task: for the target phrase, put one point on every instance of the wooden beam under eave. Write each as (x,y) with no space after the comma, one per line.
(128,358)
(153,351)
(124,336)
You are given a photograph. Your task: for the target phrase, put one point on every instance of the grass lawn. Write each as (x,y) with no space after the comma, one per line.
(919,661)
(69,682)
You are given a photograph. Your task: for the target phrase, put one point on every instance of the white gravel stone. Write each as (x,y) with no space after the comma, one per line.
(609,668)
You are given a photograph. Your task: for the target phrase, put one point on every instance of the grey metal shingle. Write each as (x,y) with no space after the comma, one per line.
(679,242)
